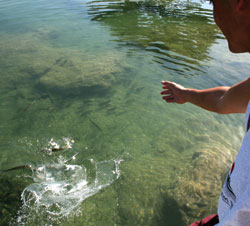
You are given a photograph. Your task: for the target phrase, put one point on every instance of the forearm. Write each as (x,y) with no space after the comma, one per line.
(223,99)
(208,99)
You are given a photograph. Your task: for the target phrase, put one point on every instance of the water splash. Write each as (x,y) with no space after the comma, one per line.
(65,143)
(60,187)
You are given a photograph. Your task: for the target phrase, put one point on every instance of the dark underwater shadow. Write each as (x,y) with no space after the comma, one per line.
(11,189)
(168,214)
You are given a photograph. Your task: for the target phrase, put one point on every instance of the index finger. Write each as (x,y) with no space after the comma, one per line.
(166,84)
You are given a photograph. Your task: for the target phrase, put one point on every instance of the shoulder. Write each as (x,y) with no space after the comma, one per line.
(242,89)
(247,82)
(237,97)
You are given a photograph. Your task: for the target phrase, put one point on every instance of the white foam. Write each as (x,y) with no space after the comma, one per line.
(60,187)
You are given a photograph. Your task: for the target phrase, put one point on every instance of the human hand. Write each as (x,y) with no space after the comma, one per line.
(173,92)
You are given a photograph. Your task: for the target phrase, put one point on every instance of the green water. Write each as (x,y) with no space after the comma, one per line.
(85,76)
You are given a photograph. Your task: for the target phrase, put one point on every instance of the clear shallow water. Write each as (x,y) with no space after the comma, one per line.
(90,72)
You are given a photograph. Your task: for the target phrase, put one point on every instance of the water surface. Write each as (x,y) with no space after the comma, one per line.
(80,106)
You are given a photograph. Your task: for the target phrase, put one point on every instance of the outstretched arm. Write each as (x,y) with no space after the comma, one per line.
(223,99)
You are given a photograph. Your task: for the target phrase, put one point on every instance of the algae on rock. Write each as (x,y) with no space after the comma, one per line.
(70,73)
(198,189)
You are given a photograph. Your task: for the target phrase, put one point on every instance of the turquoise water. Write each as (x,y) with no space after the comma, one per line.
(82,116)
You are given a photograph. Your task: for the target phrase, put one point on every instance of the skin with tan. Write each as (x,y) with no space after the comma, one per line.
(233,18)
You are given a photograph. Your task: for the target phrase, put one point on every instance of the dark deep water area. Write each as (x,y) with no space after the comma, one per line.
(85,138)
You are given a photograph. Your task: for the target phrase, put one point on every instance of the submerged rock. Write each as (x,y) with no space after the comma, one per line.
(71,74)
(198,189)
(58,69)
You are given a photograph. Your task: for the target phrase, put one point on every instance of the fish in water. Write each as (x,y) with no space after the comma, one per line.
(19,167)
(55,149)
(58,149)
(95,124)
